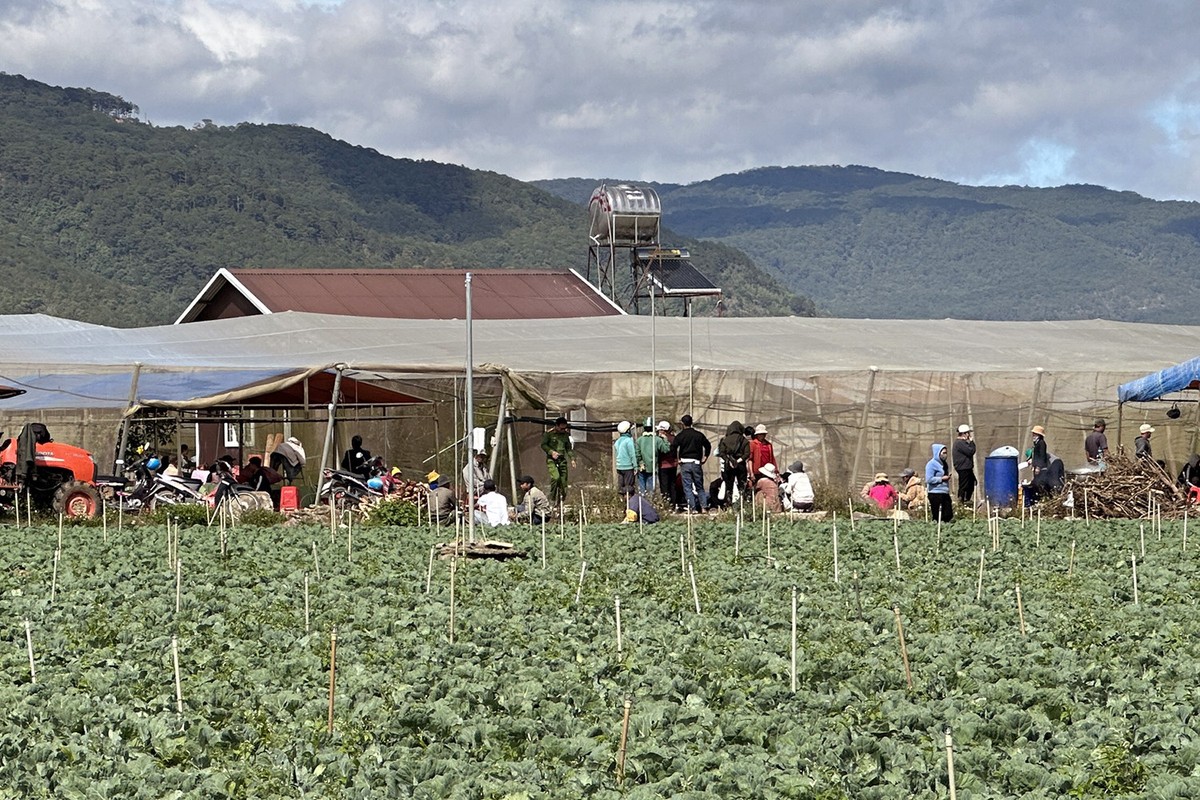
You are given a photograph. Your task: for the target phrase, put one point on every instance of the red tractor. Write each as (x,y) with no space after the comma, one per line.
(52,474)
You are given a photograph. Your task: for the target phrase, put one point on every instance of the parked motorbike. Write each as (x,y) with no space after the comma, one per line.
(347,489)
(149,489)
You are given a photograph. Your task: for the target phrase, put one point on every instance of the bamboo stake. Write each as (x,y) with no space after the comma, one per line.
(1133,562)
(429,571)
(737,535)
(695,594)
(562,533)
(453,570)
(581,531)
(1087,514)
(836,577)
(60,524)
(1071,562)
(349,536)
(682,557)
(120,516)
(1020,610)
(29,647)
(28,509)
(950,764)
(896,548)
(104,518)
(178,584)
(624,741)
(178,682)
(979,583)
(17,511)
(617,606)
(332,518)
(793,640)
(1142,539)
(850,508)
(54,576)
(582,510)
(543,538)
(579,589)
(767,518)
(689,533)
(903,646)
(307,618)
(1038,532)
(1185,522)
(333,670)
(938,542)
(316,564)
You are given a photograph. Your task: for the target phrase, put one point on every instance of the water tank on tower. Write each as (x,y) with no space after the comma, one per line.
(623,215)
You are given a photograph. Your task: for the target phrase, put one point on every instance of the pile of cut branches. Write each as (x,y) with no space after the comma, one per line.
(1128,488)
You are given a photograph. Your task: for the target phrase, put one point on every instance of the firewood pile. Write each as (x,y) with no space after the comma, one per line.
(1129,488)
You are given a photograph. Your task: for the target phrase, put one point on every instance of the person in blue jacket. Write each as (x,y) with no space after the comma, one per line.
(937,483)
(625,456)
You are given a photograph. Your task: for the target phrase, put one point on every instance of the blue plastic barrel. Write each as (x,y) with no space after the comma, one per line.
(1000,477)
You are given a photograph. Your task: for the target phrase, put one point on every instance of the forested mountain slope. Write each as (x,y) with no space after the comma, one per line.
(107,219)
(863,242)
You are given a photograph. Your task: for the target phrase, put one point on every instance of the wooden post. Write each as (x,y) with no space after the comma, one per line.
(1020,610)
(617,606)
(29,646)
(695,593)
(178,682)
(903,647)
(333,672)
(624,741)
(579,589)
(950,764)
(793,640)
(979,583)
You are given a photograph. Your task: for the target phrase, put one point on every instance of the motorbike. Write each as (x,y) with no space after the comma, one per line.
(347,489)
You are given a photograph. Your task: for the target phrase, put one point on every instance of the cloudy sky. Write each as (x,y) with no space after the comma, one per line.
(1037,92)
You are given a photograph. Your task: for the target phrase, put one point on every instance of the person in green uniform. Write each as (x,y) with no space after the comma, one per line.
(556,443)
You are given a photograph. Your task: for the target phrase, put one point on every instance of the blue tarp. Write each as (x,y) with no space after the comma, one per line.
(111,390)
(1156,384)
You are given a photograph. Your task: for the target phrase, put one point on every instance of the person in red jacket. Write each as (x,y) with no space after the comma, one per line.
(761,451)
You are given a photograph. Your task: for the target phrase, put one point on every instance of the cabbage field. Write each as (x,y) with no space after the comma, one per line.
(1064,661)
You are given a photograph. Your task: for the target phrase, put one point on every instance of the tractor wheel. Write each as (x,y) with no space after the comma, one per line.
(77,499)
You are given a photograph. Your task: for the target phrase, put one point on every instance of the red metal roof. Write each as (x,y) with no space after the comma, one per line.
(405,293)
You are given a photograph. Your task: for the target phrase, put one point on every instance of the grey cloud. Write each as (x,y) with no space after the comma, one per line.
(668,89)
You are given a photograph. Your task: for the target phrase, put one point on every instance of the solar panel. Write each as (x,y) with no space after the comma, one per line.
(671,271)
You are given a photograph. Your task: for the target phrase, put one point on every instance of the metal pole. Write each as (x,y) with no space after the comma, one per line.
(654,368)
(470,413)
(119,461)
(328,446)
(691,362)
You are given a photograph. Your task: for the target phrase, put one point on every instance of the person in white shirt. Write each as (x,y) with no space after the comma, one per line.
(491,507)
(798,489)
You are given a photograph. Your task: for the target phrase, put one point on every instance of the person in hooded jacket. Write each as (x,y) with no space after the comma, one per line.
(734,453)
(1189,476)
(937,486)
(357,459)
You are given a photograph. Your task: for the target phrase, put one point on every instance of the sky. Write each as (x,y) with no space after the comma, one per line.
(1027,92)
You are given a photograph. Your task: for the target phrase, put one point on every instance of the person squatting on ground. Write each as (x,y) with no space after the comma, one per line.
(476,473)
(650,446)
(964,464)
(535,506)
(693,449)
(733,454)
(937,486)
(880,492)
(913,493)
(798,492)
(557,445)
(766,489)
(625,459)
(442,502)
(491,507)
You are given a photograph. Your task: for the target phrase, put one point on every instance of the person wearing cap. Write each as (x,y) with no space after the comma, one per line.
(1141,445)
(476,473)
(491,508)
(442,502)
(913,493)
(557,445)
(766,489)
(880,492)
(693,449)
(964,463)
(534,507)
(668,469)
(1096,443)
(937,486)
(761,450)
(733,454)
(625,459)
(649,447)
(798,489)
